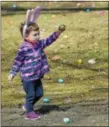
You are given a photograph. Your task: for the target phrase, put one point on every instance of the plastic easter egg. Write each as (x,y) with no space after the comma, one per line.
(14,6)
(46,100)
(62,27)
(88,10)
(60,80)
(66,120)
(92,61)
(79,61)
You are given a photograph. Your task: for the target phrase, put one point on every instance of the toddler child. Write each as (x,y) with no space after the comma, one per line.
(31,61)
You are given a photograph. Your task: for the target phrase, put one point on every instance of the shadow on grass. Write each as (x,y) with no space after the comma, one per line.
(45,109)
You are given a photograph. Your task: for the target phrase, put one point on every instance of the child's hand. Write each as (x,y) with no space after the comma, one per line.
(10,77)
(62,28)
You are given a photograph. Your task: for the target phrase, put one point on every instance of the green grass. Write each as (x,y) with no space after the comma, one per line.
(87,38)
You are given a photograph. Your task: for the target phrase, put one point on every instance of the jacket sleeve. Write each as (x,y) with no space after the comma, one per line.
(17,62)
(52,38)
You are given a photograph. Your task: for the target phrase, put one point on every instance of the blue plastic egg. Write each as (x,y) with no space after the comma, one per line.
(88,10)
(46,100)
(60,80)
(14,6)
(67,120)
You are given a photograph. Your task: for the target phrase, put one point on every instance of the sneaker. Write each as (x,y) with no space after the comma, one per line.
(32,116)
(24,108)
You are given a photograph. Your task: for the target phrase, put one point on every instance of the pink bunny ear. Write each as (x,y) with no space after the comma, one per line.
(24,30)
(27,20)
(36,14)
(31,16)
(28,16)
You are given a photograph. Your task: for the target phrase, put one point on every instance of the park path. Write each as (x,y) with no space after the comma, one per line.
(81,114)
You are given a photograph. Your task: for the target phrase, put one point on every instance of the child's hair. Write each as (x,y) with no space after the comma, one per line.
(30,27)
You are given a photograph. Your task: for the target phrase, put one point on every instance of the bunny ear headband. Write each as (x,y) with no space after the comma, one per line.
(31,16)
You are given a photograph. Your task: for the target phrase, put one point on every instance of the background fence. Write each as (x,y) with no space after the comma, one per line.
(54,7)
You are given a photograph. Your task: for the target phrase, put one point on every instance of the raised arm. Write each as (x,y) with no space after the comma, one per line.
(53,37)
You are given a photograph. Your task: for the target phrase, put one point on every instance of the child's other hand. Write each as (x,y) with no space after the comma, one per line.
(62,28)
(10,77)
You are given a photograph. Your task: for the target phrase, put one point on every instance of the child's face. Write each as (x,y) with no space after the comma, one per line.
(33,36)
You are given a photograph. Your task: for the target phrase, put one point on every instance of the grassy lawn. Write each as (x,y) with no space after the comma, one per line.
(86,37)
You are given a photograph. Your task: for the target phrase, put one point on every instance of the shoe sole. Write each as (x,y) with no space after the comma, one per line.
(32,119)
